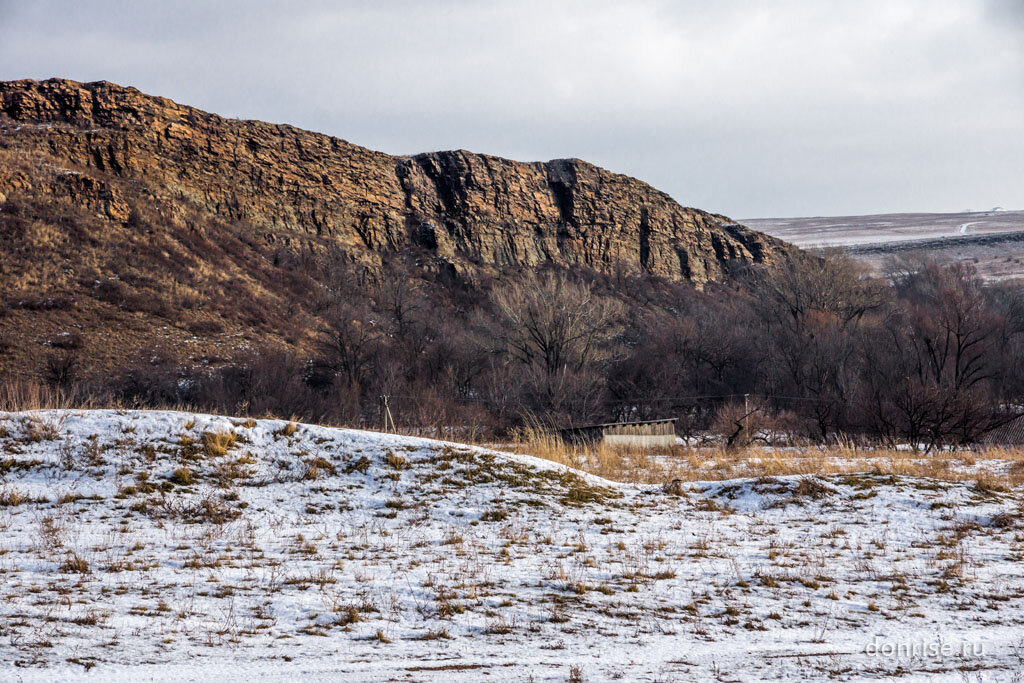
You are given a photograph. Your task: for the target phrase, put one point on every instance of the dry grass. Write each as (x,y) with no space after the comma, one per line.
(614,463)
(22,395)
(288,430)
(12,497)
(18,395)
(994,467)
(75,564)
(182,476)
(217,444)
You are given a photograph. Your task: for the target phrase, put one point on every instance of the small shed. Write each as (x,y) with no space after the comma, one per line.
(645,434)
(1008,434)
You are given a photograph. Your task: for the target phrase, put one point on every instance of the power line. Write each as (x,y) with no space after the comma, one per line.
(637,399)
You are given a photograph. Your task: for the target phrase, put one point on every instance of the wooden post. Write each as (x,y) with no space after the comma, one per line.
(387,416)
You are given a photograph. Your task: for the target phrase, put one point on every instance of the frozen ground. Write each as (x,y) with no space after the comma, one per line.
(993,241)
(835,231)
(162,545)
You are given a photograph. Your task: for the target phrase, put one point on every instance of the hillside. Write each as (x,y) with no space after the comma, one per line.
(181,546)
(130,220)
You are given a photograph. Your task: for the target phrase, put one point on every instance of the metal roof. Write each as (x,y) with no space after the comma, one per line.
(1011,433)
(620,424)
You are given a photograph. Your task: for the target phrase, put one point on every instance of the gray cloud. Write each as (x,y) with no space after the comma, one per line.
(789,107)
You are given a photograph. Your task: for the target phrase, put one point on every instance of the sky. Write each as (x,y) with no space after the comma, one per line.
(747,108)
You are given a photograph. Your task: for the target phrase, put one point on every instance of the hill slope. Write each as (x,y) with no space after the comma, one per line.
(169,545)
(991,240)
(129,222)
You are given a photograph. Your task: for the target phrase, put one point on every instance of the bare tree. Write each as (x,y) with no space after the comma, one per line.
(400,297)
(812,311)
(930,375)
(61,368)
(556,334)
(352,341)
(552,321)
(829,283)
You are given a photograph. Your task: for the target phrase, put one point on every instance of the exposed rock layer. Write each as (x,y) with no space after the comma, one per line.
(471,210)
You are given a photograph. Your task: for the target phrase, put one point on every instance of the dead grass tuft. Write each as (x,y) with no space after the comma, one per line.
(217,444)
(12,497)
(75,563)
(315,468)
(812,488)
(288,430)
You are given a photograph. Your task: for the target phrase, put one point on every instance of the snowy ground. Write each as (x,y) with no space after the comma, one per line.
(992,241)
(162,545)
(835,231)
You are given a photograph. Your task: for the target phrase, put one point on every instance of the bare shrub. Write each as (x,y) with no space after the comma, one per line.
(36,429)
(207,510)
(51,532)
(61,368)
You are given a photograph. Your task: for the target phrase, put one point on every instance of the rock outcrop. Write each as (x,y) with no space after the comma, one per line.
(469,210)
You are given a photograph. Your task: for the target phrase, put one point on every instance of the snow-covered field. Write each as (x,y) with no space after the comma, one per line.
(836,231)
(992,241)
(163,545)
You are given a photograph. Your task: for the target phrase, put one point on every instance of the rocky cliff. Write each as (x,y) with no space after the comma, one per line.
(471,211)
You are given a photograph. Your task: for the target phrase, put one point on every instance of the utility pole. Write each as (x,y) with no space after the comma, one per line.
(387,416)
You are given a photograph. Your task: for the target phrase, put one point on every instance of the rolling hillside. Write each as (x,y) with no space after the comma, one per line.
(165,544)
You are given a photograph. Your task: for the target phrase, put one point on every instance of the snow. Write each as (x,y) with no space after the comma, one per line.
(301,551)
(862,231)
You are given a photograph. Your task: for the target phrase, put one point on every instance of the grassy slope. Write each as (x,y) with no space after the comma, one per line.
(171,279)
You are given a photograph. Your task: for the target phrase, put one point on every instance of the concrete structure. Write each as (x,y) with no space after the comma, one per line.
(646,434)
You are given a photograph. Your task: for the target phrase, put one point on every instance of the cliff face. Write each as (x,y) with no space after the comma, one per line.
(470,210)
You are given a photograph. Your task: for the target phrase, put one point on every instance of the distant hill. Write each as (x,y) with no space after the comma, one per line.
(835,231)
(992,240)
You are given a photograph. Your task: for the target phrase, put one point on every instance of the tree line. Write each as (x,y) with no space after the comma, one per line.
(928,354)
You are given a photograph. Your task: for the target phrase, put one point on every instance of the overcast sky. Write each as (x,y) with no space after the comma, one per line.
(753,109)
